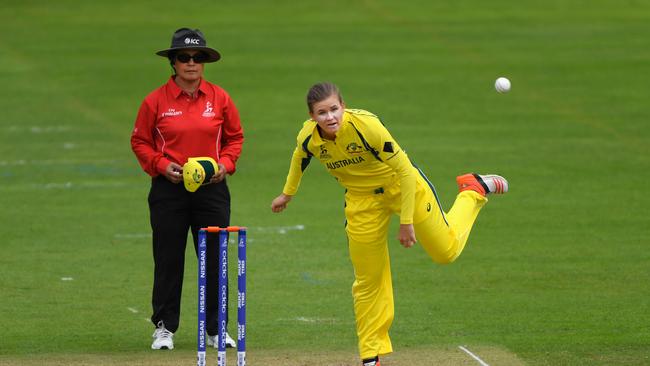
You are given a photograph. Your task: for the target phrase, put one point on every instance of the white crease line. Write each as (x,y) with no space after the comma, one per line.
(280,229)
(303,319)
(473,356)
(135,311)
(234,240)
(148,235)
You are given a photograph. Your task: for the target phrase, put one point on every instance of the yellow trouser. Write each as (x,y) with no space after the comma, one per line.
(368,216)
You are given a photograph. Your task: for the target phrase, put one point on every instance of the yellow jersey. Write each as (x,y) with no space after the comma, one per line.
(363,158)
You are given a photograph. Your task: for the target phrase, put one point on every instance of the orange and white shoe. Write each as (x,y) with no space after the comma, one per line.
(483,184)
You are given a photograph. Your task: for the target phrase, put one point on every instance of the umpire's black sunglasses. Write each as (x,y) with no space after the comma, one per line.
(199,58)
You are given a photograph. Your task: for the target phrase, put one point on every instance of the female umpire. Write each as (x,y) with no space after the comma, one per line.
(186,117)
(380,180)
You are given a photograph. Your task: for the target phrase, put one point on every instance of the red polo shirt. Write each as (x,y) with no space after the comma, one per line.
(172,126)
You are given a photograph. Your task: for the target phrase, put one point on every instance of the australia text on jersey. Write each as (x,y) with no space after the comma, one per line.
(345,162)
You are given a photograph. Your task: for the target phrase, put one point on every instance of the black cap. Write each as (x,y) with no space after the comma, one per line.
(186,38)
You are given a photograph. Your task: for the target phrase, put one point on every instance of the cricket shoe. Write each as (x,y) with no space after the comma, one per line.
(162,338)
(483,184)
(371,362)
(213,341)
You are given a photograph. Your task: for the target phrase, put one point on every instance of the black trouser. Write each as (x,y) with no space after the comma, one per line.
(174,211)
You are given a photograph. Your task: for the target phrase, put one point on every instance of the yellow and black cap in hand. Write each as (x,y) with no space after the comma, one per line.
(197,170)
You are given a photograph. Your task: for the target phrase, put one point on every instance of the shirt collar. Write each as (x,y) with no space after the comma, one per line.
(315,135)
(177,91)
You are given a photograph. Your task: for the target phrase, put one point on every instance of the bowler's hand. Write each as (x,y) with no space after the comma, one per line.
(280,202)
(220,175)
(174,173)
(407,235)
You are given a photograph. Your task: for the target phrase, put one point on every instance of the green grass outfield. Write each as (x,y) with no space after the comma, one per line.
(557,272)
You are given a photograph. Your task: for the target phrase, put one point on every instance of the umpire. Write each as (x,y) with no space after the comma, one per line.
(187,117)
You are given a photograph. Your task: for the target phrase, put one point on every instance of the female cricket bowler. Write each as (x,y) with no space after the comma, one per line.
(380,180)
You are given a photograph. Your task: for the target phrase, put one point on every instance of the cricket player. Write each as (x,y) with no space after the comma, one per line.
(380,180)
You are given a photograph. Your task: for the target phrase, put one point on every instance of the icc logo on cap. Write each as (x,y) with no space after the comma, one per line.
(191,40)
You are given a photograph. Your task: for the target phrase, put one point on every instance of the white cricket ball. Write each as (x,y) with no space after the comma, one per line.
(502,85)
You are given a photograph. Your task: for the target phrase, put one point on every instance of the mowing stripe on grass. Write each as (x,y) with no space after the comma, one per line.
(64,185)
(473,356)
(132,236)
(61,162)
(39,129)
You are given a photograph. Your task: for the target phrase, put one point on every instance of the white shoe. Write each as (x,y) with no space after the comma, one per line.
(213,341)
(162,338)
(495,183)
